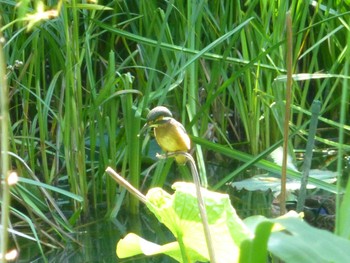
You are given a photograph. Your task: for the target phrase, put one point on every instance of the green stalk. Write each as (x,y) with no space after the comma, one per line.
(342,223)
(69,133)
(91,82)
(315,109)
(112,127)
(194,26)
(39,73)
(4,160)
(132,120)
(73,118)
(199,152)
(79,125)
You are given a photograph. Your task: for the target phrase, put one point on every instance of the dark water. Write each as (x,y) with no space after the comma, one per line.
(98,241)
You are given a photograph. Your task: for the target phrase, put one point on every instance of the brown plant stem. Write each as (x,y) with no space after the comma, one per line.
(4,145)
(131,189)
(287,112)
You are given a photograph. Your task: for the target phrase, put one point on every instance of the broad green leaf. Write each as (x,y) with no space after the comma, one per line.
(287,237)
(258,162)
(180,213)
(132,245)
(299,242)
(304,243)
(264,182)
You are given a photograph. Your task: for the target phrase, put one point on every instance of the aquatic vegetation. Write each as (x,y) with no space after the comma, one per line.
(78,78)
(250,240)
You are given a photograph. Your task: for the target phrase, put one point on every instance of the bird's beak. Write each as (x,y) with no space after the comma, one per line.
(144,128)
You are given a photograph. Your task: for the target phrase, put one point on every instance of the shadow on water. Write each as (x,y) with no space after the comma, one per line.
(98,241)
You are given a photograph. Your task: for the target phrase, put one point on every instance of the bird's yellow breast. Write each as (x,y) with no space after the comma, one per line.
(172,137)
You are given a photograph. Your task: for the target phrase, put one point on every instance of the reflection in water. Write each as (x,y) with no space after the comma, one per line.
(98,241)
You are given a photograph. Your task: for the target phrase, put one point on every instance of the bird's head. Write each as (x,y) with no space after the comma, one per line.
(156,117)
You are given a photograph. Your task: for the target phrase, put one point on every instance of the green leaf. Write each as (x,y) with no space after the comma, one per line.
(293,240)
(180,213)
(264,182)
(255,250)
(51,188)
(343,214)
(288,237)
(91,7)
(132,245)
(303,243)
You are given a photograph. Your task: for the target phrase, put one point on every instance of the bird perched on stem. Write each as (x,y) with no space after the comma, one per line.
(169,133)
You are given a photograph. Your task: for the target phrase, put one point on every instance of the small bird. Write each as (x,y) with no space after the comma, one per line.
(170,134)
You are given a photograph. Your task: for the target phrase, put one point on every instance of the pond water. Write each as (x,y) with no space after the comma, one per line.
(98,242)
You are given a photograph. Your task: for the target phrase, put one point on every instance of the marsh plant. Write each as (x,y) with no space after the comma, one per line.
(77,79)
